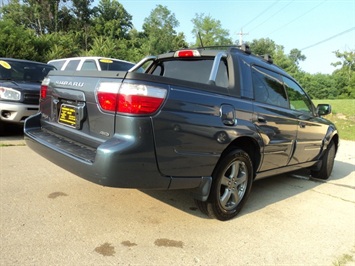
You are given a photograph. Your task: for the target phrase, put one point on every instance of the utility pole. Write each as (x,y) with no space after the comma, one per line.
(241,34)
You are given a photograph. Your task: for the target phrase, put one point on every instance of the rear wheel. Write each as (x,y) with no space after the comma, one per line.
(327,163)
(232,181)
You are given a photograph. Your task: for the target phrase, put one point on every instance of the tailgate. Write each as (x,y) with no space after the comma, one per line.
(69,105)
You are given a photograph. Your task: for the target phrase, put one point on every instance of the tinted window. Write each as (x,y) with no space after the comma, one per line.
(72,65)
(268,87)
(22,70)
(297,97)
(89,65)
(193,70)
(107,64)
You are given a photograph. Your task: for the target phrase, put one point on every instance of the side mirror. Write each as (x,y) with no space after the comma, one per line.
(324,109)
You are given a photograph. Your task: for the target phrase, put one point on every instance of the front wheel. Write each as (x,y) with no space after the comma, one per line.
(232,181)
(2,128)
(327,163)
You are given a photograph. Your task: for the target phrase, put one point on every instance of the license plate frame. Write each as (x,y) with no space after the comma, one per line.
(67,115)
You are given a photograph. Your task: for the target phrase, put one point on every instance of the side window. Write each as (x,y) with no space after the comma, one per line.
(89,65)
(268,87)
(297,97)
(72,65)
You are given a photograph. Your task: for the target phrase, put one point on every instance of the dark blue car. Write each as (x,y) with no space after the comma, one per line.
(20,82)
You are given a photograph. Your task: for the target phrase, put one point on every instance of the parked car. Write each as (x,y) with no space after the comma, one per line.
(20,83)
(208,120)
(86,63)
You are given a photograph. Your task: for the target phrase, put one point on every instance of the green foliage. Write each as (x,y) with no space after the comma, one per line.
(62,45)
(346,74)
(159,32)
(210,30)
(296,56)
(111,19)
(263,46)
(17,41)
(319,86)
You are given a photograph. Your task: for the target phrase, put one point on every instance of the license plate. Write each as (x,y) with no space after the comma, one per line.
(67,115)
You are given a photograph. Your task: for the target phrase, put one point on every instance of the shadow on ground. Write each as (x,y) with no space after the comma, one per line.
(264,192)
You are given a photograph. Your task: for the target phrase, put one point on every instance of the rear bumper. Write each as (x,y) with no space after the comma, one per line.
(118,162)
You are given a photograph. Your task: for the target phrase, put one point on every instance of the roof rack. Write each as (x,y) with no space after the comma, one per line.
(244,47)
(267,58)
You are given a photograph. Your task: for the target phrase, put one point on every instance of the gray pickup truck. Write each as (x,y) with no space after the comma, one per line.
(212,121)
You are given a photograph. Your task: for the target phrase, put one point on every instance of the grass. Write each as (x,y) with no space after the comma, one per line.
(11,145)
(343,116)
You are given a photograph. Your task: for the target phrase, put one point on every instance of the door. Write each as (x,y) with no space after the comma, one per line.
(311,132)
(273,118)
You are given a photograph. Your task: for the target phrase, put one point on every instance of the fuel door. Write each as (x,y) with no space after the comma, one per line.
(227,114)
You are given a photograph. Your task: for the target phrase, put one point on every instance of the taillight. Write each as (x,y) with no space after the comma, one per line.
(131,98)
(140,99)
(187,53)
(44,88)
(107,93)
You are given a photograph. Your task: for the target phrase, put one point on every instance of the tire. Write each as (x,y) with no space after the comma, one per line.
(327,163)
(2,128)
(232,182)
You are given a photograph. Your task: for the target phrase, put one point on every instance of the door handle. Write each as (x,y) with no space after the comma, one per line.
(302,125)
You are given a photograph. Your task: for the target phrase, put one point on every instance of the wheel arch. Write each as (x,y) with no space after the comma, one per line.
(332,135)
(250,146)
(335,138)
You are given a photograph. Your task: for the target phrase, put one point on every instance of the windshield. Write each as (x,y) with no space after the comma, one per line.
(23,70)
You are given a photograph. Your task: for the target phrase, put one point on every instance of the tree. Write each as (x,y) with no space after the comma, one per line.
(39,15)
(111,19)
(263,46)
(159,30)
(296,56)
(62,45)
(319,86)
(16,41)
(346,74)
(210,31)
(135,43)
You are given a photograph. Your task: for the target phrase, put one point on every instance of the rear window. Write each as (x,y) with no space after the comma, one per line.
(72,65)
(89,64)
(58,64)
(107,64)
(192,70)
(23,70)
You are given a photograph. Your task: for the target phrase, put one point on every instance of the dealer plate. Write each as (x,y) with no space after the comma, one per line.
(67,115)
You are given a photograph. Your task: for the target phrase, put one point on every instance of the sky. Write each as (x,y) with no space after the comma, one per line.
(316,27)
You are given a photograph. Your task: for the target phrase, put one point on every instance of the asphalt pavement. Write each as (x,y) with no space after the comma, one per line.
(51,217)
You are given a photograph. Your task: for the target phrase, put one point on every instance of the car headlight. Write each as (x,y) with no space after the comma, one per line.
(9,94)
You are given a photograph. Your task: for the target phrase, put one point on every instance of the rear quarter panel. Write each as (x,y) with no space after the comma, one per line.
(190,135)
